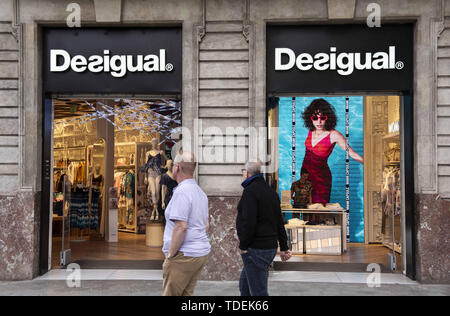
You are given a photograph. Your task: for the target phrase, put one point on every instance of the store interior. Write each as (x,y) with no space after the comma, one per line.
(111,180)
(112,161)
(326,233)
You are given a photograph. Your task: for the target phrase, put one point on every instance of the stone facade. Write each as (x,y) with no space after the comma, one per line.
(19,236)
(223,85)
(224,244)
(433,245)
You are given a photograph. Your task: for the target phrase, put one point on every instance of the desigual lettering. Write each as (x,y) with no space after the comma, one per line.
(117,65)
(344,63)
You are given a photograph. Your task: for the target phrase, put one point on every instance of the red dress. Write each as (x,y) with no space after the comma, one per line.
(316,164)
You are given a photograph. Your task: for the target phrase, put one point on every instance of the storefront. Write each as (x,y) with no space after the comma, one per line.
(339,111)
(80,99)
(112,101)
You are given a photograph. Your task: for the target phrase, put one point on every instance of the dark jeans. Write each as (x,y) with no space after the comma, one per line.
(255,274)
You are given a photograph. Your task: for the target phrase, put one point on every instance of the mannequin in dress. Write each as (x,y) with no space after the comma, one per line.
(168,183)
(155,159)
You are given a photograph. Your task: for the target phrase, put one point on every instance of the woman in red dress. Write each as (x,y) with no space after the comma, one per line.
(320,118)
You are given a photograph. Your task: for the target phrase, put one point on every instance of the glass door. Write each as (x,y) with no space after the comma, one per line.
(65,253)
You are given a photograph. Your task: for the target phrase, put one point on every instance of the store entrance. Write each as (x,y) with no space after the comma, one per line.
(343,205)
(111,180)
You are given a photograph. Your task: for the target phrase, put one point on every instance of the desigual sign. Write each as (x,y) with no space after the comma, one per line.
(113,60)
(117,65)
(343,63)
(339,58)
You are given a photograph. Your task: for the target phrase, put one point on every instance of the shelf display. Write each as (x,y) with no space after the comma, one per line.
(129,180)
(71,169)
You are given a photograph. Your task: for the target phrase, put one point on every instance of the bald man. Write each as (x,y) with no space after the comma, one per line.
(186,244)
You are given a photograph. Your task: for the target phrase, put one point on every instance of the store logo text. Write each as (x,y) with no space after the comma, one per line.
(344,63)
(117,65)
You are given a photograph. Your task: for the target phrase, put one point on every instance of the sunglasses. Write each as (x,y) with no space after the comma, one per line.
(322,117)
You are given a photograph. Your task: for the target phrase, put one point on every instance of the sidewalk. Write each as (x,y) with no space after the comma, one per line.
(149,282)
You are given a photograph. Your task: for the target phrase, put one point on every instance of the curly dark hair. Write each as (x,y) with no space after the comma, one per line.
(323,107)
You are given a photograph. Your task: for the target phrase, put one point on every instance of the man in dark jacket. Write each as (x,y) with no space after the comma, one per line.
(260,227)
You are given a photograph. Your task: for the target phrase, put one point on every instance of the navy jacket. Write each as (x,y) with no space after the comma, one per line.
(259,222)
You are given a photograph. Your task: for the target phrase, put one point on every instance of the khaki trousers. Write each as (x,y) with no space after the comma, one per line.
(180,274)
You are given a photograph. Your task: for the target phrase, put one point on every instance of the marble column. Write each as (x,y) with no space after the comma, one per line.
(432,239)
(19,236)
(225,260)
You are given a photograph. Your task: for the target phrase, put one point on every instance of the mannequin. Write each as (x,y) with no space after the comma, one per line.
(168,183)
(155,159)
(301,191)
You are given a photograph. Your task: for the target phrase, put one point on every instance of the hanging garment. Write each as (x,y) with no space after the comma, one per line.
(129,196)
(95,209)
(316,164)
(79,209)
(60,182)
(122,191)
(130,212)
(118,179)
(79,174)
(97,181)
(71,172)
(387,194)
(56,175)
(58,204)
(391,193)
(129,185)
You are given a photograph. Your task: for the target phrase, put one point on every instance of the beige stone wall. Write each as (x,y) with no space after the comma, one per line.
(9,107)
(443,109)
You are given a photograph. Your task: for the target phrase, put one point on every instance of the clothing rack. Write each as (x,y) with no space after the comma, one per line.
(125,167)
(70,148)
(76,160)
(82,151)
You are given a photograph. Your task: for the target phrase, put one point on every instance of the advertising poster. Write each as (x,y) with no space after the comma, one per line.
(328,169)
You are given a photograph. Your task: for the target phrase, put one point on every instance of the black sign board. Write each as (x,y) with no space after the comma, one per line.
(339,58)
(113,60)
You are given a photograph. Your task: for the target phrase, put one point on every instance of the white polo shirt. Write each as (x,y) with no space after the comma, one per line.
(189,204)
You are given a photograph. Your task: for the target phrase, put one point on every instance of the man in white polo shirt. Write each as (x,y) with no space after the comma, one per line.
(186,244)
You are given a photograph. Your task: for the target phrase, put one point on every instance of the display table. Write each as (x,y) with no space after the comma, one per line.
(154,234)
(341,217)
